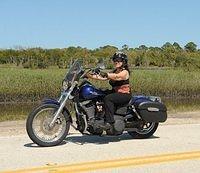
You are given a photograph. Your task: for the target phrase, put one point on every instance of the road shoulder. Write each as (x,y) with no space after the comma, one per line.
(12,128)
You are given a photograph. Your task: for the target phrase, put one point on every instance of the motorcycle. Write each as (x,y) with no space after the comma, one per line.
(49,123)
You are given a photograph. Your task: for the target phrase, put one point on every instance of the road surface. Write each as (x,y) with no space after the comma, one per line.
(175,147)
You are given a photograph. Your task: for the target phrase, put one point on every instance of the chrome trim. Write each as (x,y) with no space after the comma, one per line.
(152,109)
(66,95)
(84,117)
(134,110)
(86,124)
(76,108)
(58,111)
(128,116)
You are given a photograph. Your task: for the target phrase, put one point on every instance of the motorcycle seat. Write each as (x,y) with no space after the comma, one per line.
(135,100)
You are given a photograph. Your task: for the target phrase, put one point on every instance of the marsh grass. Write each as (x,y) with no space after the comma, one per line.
(33,85)
(180,90)
(166,83)
(25,84)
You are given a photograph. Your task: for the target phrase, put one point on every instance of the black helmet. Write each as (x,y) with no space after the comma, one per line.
(120,56)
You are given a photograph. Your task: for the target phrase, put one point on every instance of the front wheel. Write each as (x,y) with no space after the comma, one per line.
(37,125)
(146,131)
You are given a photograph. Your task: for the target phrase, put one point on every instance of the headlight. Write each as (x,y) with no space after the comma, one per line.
(65,85)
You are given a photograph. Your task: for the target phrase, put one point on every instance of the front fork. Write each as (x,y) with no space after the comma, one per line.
(62,100)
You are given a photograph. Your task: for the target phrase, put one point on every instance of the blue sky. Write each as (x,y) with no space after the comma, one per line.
(95,23)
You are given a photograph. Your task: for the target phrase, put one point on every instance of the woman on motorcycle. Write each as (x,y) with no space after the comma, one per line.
(119,80)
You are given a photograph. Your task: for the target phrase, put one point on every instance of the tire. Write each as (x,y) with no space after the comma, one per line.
(63,121)
(144,133)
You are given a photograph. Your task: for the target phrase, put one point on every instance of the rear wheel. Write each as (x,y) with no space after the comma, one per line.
(145,131)
(38,129)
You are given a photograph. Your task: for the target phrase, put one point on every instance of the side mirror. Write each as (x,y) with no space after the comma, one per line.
(101,66)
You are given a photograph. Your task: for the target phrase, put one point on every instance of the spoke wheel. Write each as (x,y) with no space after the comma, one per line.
(145,131)
(41,127)
(38,128)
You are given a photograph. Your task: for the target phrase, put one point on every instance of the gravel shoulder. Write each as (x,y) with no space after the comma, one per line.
(13,128)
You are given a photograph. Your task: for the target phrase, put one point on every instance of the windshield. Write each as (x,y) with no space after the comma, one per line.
(74,71)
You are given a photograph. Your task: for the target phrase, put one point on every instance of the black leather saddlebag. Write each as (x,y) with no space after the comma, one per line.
(150,111)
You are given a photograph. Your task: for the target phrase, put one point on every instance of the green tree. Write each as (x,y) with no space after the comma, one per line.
(191,47)
(177,46)
(143,47)
(125,48)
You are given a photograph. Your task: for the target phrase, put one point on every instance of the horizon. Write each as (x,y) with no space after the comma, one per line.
(18,47)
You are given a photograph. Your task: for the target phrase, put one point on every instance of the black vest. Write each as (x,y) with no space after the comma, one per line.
(115,83)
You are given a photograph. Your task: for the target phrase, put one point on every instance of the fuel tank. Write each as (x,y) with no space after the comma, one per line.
(89,91)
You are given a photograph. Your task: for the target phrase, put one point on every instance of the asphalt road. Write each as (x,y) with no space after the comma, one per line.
(180,141)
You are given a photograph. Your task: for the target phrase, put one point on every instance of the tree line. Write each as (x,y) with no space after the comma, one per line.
(168,55)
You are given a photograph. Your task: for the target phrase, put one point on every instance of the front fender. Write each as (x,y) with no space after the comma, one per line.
(50,101)
(55,102)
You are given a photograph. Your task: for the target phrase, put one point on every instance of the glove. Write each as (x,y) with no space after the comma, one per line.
(87,75)
(97,70)
(103,74)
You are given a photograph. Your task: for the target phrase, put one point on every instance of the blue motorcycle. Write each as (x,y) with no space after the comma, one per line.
(49,123)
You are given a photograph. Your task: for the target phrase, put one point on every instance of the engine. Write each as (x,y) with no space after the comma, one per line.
(95,114)
(93,109)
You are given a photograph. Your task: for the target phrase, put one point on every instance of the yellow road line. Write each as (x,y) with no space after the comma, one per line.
(125,162)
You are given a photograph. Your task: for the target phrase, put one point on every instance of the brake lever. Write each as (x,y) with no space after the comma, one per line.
(84,74)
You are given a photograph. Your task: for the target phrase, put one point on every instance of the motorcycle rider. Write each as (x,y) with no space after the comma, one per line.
(119,80)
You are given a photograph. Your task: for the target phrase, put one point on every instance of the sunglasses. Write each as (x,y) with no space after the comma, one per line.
(117,60)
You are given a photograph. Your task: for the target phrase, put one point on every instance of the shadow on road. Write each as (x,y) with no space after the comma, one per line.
(81,140)
(88,139)
(33,145)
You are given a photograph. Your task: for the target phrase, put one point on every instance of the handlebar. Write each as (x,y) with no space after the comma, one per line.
(92,70)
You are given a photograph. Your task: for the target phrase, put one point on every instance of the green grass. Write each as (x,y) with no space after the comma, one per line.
(166,83)
(179,90)
(25,84)
(33,85)
(15,111)
(182,105)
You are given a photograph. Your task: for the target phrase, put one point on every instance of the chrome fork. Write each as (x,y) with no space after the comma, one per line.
(64,95)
